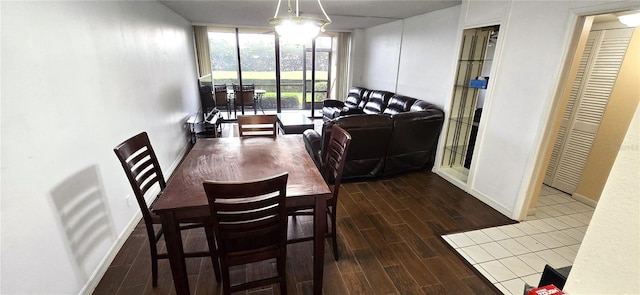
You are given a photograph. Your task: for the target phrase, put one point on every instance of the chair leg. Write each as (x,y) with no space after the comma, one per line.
(154,264)
(334,235)
(226,282)
(208,229)
(283,275)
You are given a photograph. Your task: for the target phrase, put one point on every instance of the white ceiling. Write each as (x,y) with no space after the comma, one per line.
(345,15)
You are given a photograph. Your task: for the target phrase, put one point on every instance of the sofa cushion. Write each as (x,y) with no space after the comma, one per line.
(365,98)
(378,100)
(399,104)
(354,97)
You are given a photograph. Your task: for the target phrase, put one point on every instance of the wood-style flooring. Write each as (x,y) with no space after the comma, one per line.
(389,241)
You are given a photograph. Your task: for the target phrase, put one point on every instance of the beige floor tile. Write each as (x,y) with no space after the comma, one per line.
(567,252)
(563,238)
(547,240)
(460,240)
(517,266)
(496,250)
(527,228)
(556,223)
(495,233)
(478,254)
(497,270)
(553,258)
(478,237)
(514,247)
(511,231)
(534,261)
(515,286)
(532,244)
(541,225)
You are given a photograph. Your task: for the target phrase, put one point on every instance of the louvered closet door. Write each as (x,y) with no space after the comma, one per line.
(588,99)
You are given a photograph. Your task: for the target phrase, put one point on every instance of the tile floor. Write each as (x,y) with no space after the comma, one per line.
(511,255)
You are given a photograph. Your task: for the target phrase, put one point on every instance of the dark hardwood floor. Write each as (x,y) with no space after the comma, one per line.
(388,235)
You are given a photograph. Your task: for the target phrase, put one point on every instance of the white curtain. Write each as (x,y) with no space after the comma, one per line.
(343,71)
(202,50)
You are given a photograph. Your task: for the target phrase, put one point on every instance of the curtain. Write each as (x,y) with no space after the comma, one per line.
(343,71)
(202,50)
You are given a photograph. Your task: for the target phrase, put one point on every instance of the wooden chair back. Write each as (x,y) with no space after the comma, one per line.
(143,171)
(220,94)
(331,171)
(257,125)
(250,225)
(245,96)
(335,158)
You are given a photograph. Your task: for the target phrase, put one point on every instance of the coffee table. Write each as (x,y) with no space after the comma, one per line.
(294,123)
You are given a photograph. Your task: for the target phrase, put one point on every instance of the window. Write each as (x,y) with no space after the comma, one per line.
(258,66)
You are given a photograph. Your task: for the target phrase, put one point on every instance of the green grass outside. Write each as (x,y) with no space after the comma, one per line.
(296,75)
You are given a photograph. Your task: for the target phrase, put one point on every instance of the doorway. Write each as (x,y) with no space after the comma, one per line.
(594,112)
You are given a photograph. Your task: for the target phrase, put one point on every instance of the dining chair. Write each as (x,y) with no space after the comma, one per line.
(143,172)
(250,225)
(221,98)
(331,170)
(257,125)
(245,96)
(206,98)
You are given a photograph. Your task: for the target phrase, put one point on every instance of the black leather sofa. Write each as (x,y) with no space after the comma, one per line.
(390,133)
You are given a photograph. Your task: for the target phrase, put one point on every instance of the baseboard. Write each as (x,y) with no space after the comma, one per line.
(97,275)
(582,199)
(531,212)
(455,180)
(493,204)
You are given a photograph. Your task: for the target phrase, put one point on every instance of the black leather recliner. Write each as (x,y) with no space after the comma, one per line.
(414,139)
(401,136)
(353,104)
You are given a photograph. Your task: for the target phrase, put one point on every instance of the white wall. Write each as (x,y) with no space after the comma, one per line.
(358,42)
(522,88)
(381,53)
(411,57)
(77,79)
(608,261)
(535,37)
(427,53)
(533,43)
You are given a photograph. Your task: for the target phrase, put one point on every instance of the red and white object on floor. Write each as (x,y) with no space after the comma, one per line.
(546,290)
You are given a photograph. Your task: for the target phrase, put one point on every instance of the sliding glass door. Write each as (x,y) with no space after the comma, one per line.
(255,52)
(322,66)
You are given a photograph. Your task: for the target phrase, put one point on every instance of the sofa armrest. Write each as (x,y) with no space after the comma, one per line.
(313,143)
(332,103)
(348,111)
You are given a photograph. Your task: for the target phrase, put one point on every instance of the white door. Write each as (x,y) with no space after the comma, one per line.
(588,99)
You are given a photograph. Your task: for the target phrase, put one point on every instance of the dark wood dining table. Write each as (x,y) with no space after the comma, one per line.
(241,159)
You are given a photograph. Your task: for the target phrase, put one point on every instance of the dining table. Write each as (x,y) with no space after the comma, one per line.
(241,159)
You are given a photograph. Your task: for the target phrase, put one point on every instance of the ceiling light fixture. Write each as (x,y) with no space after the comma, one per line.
(630,19)
(296,26)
